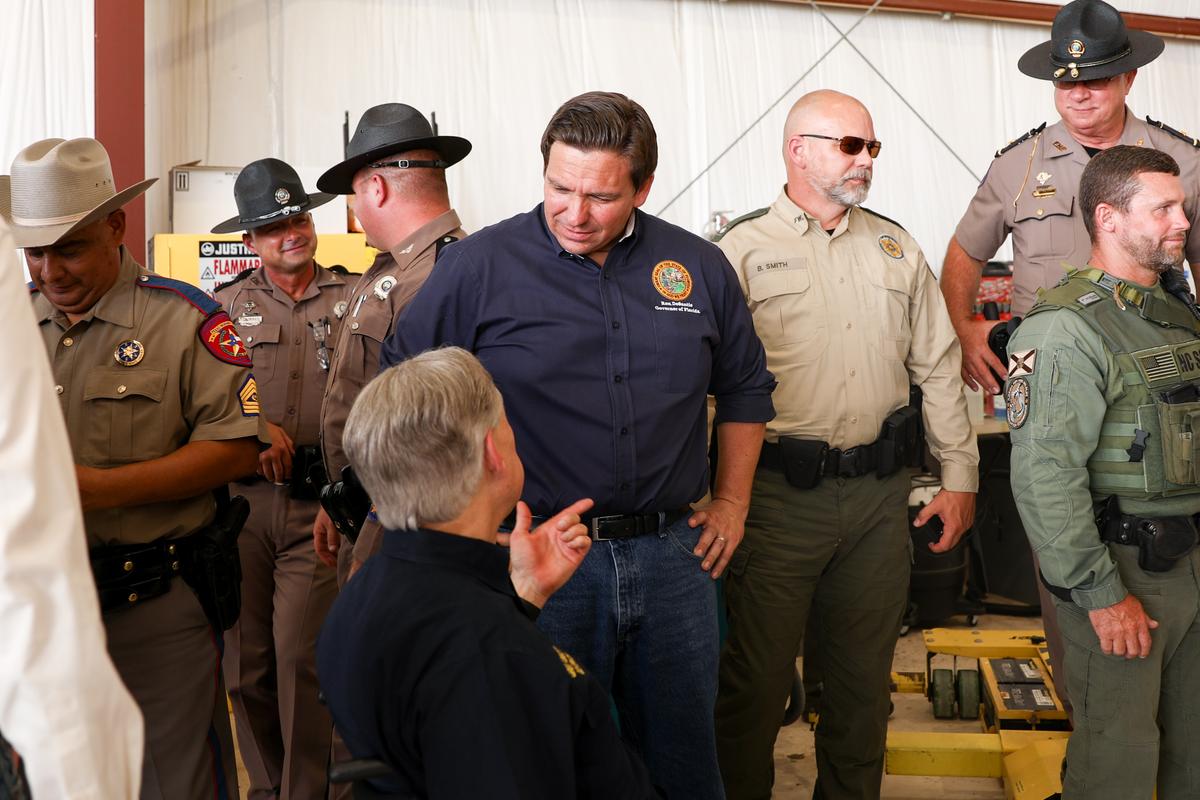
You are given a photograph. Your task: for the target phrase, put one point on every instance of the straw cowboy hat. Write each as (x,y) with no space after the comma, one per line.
(383,131)
(267,191)
(1089,40)
(59,186)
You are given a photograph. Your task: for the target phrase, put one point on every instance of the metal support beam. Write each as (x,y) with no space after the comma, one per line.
(1017,11)
(121,104)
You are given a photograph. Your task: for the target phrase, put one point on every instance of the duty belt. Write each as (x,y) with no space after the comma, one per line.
(1124,528)
(850,463)
(1161,541)
(127,575)
(605,527)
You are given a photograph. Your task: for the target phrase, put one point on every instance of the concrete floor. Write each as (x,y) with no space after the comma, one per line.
(795,761)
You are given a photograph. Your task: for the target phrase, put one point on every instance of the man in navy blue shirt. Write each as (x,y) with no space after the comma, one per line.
(604,329)
(429,660)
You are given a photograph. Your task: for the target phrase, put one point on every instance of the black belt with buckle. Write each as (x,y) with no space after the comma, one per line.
(605,527)
(852,463)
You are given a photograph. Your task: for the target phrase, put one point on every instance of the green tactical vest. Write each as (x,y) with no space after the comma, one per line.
(1159,362)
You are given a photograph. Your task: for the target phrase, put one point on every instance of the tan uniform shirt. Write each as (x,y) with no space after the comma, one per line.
(1031,191)
(152,366)
(848,320)
(282,337)
(381,294)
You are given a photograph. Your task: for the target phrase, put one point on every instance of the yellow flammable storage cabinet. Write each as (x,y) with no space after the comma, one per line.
(208,260)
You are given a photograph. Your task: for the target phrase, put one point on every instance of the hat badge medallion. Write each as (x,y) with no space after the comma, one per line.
(282,196)
(1076,48)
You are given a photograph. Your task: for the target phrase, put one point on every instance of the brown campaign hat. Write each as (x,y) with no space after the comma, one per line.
(58,186)
(385,130)
(1089,40)
(267,191)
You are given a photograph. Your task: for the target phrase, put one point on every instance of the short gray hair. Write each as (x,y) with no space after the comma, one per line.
(415,436)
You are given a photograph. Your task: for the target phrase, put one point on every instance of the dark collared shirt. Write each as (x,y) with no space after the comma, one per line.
(429,662)
(604,370)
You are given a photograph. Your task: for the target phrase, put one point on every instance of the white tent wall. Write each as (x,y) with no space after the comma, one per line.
(229,81)
(49,72)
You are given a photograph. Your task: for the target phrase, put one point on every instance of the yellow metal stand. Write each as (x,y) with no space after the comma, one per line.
(1024,734)
(964,755)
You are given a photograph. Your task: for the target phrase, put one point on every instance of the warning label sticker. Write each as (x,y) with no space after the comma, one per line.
(223,261)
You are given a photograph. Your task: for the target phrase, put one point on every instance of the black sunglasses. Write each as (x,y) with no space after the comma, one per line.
(851,145)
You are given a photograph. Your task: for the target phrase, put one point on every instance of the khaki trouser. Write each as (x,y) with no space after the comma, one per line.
(841,550)
(1137,721)
(270,654)
(170,660)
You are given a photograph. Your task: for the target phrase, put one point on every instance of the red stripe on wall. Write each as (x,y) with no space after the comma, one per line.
(121,104)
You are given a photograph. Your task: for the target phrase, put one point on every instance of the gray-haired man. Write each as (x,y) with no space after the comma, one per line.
(431,652)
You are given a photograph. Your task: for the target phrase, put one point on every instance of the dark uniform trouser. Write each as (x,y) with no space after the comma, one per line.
(1137,721)
(270,654)
(843,550)
(338,752)
(170,660)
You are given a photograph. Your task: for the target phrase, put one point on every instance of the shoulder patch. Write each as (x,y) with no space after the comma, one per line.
(743,218)
(221,339)
(882,217)
(1192,140)
(1017,397)
(194,295)
(1018,140)
(241,276)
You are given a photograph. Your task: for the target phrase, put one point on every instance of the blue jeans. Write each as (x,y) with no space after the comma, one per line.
(641,615)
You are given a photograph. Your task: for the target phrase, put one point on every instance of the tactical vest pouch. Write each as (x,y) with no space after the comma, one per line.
(1180,426)
(213,565)
(1163,541)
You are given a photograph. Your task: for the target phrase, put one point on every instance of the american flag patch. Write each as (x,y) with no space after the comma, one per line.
(1160,366)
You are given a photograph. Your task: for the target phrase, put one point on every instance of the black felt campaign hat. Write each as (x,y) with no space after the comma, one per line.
(385,130)
(1089,40)
(267,191)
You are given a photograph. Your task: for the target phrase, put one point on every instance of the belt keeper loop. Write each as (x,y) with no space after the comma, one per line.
(662,523)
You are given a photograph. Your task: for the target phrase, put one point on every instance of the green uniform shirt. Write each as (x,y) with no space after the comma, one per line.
(1073,381)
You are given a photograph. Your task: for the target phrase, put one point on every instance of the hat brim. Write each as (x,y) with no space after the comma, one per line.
(1143,48)
(46,235)
(339,178)
(235,224)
